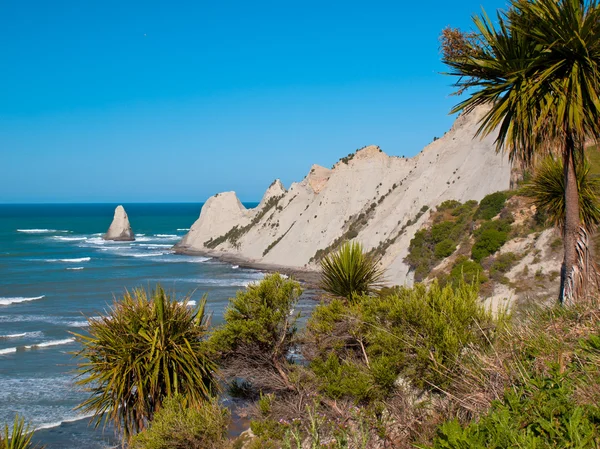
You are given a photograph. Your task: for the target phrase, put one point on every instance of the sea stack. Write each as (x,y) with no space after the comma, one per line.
(120,229)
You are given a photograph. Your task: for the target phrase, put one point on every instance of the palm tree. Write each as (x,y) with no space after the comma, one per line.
(349,271)
(19,438)
(147,348)
(538,70)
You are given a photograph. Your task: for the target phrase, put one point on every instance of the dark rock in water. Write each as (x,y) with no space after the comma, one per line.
(120,229)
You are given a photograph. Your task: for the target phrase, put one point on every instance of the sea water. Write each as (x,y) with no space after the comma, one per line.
(56,271)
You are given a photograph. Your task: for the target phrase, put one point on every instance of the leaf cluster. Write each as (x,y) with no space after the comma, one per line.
(146,348)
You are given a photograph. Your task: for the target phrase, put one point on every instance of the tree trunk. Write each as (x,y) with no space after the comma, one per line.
(571,225)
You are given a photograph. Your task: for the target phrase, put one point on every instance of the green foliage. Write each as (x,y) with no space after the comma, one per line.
(448,205)
(444,249)
(349,272)
(343,378)
(465,270)
(487,243)
(540,413)
(19,437)
(177,425)
(259,318)
(419,333)
(547,188)
(147,348)
(491,205)
(428,246)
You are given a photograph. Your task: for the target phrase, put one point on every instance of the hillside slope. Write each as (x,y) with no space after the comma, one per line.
(368,196)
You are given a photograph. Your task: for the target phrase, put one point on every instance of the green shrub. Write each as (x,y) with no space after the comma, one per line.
(419,333)
(444,249)
(465,270)
(260,316)
(487,243)
(178,426)
(442,231)
(541,413)
(423,330)
(491,205)
(343,379)
(448,205)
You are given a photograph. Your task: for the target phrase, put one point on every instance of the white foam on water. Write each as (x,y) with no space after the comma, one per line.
(154,245)
(183,229)
(217,282)
(166,236)
(40,231)
(22,334)
(14,335)
(70,419)
(191,303)
(235,267)
(176,258)
(17,300)
(75,268)
(68,239)
(96,241)
(77,260)
(76,323)
(47,344)
(143,254)
(8,351)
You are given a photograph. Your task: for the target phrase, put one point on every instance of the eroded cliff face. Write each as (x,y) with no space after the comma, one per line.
(378,200)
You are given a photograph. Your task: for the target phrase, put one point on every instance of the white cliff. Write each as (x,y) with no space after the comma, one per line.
(376,199)
(120,229)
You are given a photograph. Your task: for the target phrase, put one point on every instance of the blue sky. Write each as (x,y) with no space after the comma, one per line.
(125,101)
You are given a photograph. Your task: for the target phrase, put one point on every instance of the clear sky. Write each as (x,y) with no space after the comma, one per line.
(126,101)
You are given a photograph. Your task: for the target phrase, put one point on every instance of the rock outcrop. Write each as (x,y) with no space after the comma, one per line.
(120,229)
(376,199)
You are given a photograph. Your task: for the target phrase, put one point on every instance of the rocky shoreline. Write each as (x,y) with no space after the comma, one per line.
(308,277)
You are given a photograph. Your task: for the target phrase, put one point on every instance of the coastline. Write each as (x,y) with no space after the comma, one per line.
(309,278)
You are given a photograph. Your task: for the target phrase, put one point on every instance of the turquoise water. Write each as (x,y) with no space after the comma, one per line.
(55,270)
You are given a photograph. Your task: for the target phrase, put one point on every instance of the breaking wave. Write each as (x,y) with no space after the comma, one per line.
(40,231)
(17,300)
(77,260)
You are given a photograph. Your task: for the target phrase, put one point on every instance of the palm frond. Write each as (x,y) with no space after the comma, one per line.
(349,271)
(19,437)
(147,347)
(547,188)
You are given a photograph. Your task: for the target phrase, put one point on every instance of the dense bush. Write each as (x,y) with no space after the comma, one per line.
(178,426)
(487,243)
(552,407)
(258,330)
(260,316)
(444,248)
(419,333)
(491,205)
(451,223)
(465,270)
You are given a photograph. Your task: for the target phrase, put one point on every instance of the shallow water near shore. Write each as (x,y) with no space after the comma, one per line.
(55,270)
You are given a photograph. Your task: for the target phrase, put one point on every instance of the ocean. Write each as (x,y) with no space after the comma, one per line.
(55,270)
